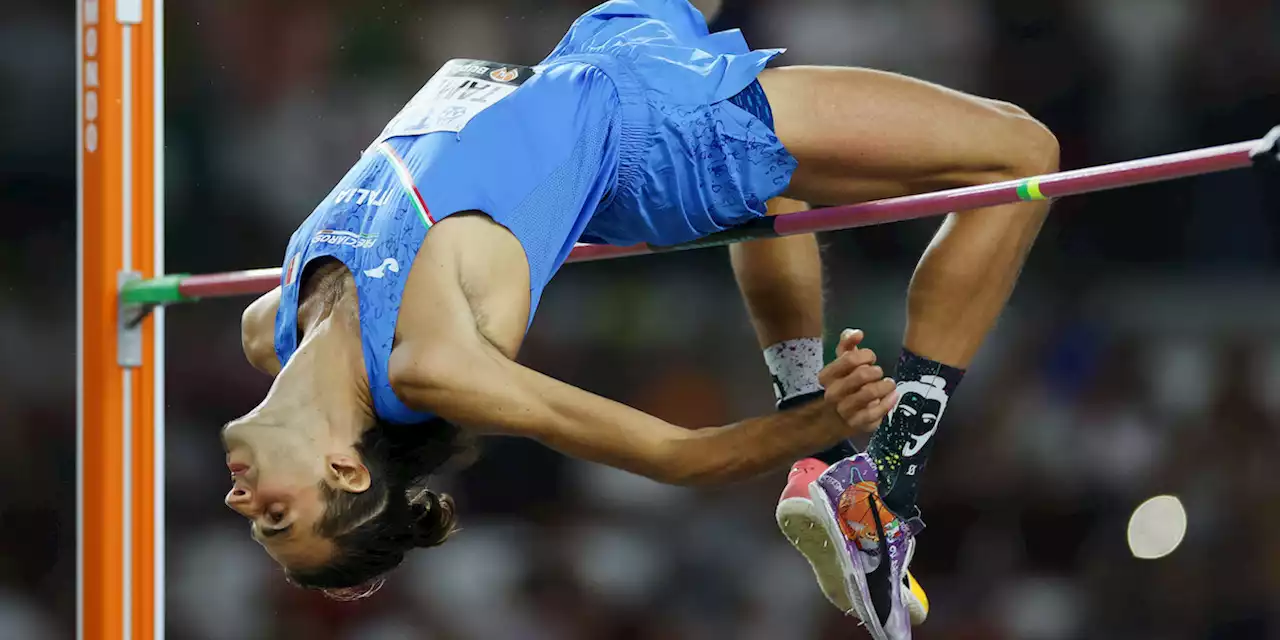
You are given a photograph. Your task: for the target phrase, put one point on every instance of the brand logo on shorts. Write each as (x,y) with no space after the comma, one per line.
(505,74)
(345,238)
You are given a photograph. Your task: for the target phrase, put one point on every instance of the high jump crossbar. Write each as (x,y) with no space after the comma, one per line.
(186,288)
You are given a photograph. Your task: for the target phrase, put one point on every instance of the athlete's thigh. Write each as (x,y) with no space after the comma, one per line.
(860,134)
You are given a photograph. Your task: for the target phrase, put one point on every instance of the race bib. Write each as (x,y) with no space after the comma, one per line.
(451,98)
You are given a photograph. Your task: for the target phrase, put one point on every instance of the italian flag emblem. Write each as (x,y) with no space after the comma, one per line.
(291,272)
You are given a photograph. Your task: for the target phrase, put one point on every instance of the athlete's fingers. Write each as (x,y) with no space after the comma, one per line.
(850,384)
(845,364)
(864,398)
(868,396)
(876,415)
(868,418)
(849,340)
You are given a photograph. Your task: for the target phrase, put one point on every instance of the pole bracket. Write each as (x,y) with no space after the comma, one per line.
(129,324)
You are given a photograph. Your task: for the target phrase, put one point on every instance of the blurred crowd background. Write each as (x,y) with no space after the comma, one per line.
(1140,355)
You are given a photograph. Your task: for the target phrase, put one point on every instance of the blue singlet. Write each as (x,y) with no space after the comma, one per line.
(639,127)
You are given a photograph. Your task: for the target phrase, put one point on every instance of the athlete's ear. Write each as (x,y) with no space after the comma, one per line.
(347,473)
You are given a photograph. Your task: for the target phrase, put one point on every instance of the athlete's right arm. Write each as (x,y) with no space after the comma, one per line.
(451,361)
(257,333)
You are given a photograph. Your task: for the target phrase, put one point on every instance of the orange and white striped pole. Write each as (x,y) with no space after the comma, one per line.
(119,435)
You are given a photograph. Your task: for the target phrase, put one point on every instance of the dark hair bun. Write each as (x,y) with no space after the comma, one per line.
(372,530)
(436,519)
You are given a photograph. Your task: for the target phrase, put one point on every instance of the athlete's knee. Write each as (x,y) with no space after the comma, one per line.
(1024,147)
(1007,144)
(1030,148)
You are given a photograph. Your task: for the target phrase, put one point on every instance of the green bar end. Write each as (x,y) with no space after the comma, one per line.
(162,290)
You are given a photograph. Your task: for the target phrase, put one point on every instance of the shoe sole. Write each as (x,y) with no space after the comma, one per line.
(800,522)
(855,577)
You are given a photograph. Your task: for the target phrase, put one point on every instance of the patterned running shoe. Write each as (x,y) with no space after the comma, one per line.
(803,522)
(877,546)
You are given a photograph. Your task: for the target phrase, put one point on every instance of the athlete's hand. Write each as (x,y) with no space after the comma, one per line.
(855,385)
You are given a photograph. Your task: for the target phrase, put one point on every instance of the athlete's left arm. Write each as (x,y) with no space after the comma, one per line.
(460,324)
(469,382)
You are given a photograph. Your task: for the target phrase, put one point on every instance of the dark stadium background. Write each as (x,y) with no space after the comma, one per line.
(1140,356)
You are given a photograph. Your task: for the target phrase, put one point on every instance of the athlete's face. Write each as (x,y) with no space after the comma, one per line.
(276,480)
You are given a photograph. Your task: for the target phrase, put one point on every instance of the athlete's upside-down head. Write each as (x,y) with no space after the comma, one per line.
(342,528)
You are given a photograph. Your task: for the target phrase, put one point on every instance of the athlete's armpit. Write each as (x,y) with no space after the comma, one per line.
(470,277)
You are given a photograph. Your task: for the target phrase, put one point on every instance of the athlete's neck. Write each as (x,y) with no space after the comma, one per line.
(324,386)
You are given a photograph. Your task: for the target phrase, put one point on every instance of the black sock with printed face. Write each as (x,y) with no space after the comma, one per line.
(900,447)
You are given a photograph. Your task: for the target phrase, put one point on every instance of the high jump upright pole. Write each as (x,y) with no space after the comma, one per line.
(119,372)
